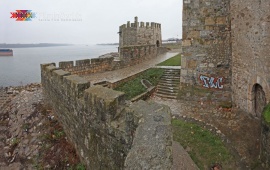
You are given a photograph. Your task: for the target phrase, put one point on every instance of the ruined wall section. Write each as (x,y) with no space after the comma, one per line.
(250,51)
(206,61)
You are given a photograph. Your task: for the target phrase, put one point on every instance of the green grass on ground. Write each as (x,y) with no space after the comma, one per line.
(172,45)
(204,148)
(174,61)
(266,113)
(134,87)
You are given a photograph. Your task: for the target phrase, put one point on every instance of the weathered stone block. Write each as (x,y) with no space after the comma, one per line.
(186,43)
(209,21)
(192,64)
(221,21)
(194,34)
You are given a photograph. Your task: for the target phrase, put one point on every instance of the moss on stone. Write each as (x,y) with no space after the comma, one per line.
(266,113)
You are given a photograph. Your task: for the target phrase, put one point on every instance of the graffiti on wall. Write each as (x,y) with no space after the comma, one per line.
(212,82)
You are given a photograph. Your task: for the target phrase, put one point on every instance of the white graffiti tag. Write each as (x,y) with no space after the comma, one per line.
(211,82)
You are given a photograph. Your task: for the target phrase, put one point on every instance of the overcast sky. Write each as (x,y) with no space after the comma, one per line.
(98,21)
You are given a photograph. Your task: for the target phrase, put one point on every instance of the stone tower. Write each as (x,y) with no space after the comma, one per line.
(139,33)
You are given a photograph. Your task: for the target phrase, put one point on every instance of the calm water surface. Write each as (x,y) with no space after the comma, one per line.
(24,67)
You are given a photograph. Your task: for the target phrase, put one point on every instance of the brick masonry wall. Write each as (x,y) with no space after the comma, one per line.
(250,51)
(206,61)
(101,126)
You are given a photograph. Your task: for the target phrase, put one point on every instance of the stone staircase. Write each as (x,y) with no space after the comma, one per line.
(168,85)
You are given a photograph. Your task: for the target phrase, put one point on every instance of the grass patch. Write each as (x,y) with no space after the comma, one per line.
(266,113)
(206,149)
(172,45)
(174,61)
(134,87)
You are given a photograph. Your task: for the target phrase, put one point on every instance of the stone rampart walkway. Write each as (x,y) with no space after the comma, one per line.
(116,75)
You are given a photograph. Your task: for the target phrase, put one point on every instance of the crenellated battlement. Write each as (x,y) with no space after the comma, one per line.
(140,25)
(130,56)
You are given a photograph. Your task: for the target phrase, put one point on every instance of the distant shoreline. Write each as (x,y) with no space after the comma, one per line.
(108,44)
(32,45)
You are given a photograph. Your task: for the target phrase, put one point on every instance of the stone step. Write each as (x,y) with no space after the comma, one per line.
(171,73)
(167,93)
(167,90)
(168,81)
(172,70)
(165,96)
(171,77)
(171,83)
(167,86)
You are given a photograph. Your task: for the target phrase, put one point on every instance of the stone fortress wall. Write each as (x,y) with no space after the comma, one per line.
(251,62)
(226,49)
(206,61)
(131,55)
(250,54)
(108,132)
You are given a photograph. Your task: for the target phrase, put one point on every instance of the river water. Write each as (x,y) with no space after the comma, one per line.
(24,67)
